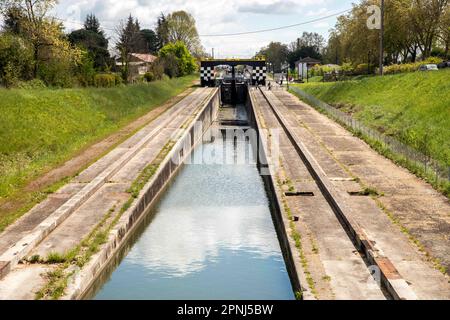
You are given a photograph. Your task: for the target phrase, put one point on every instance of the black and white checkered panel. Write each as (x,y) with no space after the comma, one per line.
(259,74)
(206,74)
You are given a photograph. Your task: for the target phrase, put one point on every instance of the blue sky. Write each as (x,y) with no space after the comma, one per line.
(215,17)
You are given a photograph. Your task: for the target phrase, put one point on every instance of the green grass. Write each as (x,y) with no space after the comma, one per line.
(315,79)
(412,107)
(42,128)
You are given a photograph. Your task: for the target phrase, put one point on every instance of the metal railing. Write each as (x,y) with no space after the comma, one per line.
(432,168)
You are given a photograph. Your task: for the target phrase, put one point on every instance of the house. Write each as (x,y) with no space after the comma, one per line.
(303,65)
(139,64)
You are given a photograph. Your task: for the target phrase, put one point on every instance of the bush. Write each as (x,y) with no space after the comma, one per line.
(178,61)
(32,84)
(118,80)
(409,67)
(86,71)
(105,80)
(364,68)
(171,67)
(56,73)
(16,60)
(157,69)
(149,77)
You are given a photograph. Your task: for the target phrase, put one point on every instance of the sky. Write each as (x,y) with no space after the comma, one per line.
(214,17)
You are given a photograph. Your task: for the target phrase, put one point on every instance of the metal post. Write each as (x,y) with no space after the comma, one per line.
(307,73)
(287,80)
(382,39)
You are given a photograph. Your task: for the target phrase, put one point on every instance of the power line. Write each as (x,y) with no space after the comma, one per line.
(277,28)
(237,33)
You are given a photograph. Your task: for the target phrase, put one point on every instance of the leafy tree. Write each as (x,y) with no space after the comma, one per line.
(13,20)
(275,53)
(54,57)
(413,28)
(34,25)
(16,59)
(177,59)
(181,27)
(93,40)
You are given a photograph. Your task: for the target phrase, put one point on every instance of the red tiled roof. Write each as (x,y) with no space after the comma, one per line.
(144,57)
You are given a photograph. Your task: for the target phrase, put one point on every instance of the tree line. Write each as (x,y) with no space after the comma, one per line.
(35,49)
(310,44)
(414,30)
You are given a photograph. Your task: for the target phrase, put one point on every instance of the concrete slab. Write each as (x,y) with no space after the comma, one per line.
(23,283)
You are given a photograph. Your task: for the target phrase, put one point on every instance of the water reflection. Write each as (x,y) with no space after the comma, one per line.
(211,237)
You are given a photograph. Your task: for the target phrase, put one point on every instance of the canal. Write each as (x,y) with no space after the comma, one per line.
(210,236)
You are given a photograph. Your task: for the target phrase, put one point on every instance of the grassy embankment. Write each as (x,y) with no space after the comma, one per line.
(41,129)
(412,107)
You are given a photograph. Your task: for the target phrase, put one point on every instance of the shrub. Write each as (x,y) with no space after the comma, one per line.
(56,73)
(149,77)
(364,68)
(157,69)
(409,67)
(32,84)
(105,80)
(171,67)
(85,70)
(118,79)
(178,60)
(16,59)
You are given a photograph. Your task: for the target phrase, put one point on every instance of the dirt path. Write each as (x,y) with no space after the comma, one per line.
(35,191)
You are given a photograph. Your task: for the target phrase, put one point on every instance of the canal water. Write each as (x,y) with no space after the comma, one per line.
(211,236)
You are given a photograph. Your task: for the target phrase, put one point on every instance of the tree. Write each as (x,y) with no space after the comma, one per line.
(92,24)
(16,59)
(162,31)
(53,56)
(275,53)
(150,40)
(13,20)
(130,37)
(181,27)
(92,39)
(308,45)
(34,23)
(444,31)
(413,29)
(177,59)
(425,16)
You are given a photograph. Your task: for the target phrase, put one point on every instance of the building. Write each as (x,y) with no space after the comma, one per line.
(139,64)
(303,65)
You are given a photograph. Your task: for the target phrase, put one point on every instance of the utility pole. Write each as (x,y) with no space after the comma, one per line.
(382,39)
(213,53)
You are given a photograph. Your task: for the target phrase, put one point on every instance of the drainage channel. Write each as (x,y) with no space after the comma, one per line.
(210,235)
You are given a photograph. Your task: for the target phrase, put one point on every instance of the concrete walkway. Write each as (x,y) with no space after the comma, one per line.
(351,165)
